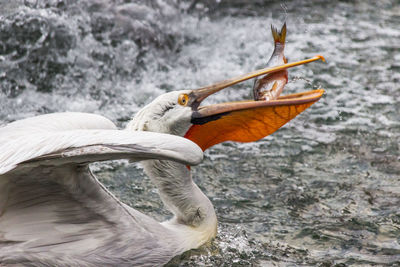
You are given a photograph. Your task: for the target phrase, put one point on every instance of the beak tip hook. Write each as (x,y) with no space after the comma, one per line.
(321,57)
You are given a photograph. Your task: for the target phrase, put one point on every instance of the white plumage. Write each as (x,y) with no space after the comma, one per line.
(34,137)
(53,211)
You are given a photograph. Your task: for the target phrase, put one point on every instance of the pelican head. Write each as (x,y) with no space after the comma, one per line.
(169,113)
(180,113)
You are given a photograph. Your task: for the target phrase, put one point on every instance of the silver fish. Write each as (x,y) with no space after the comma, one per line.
(270,86)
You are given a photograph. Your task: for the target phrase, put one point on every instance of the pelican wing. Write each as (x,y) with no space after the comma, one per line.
(82,138)
(51,206)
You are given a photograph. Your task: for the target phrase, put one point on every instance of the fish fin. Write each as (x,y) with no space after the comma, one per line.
(279,37)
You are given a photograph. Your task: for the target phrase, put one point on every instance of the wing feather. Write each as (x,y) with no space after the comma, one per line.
(46,144)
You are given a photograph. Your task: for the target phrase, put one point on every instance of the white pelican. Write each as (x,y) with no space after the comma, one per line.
(54,212)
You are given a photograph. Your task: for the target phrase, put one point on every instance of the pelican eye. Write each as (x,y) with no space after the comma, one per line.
(183,99)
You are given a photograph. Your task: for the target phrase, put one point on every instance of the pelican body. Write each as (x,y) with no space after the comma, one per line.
(53,210)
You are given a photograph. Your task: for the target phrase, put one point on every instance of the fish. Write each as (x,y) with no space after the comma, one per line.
(270,86)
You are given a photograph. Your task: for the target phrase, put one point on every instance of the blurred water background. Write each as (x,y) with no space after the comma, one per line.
(322,191)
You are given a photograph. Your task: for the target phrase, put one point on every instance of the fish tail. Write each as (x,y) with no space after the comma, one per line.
(279,36)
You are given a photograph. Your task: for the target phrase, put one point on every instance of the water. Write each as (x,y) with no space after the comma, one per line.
(324,190)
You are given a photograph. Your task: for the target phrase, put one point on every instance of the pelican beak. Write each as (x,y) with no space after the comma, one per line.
(249,120)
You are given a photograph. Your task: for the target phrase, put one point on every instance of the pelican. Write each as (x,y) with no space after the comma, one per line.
(53,210)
